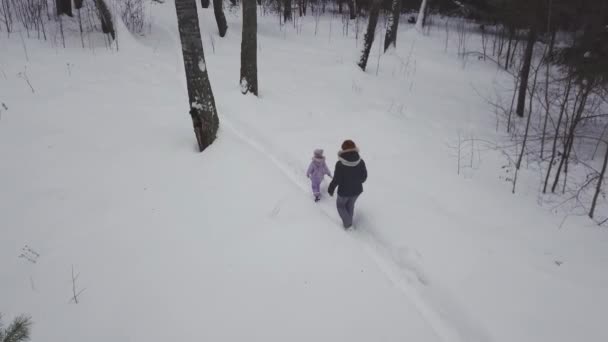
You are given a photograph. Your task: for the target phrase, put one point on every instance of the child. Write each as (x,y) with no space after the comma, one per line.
(316,171)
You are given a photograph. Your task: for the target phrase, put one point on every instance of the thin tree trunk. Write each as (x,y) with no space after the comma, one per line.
(352,9)
(359,5)
(523,144)
(509,49)
(393,25)
(202,104)
(513,51)
(525,73)
(205,3)
(427,9)
(369,35)
(572,130)
(421,13)
(287,11)
(7,16)
(106,18)
(599,185)
(547,102)
(559,122)
(80,26)
(64,7)
(249,68)
(501,42)
(218,10)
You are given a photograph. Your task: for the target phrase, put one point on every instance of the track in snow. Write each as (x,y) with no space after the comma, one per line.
(403,274)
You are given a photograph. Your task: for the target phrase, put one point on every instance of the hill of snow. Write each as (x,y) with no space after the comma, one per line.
(100,177)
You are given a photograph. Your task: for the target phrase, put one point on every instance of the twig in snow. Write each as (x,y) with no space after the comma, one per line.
(27,58)
(75,294)
(23,76)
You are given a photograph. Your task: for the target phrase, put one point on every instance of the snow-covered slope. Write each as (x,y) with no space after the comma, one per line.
(99,174)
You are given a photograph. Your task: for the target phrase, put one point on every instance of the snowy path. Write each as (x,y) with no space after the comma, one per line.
(404,274)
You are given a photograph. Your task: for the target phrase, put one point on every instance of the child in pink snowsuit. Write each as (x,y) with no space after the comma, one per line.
(316,172)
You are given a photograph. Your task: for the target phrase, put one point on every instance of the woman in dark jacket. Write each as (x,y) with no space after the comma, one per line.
(349,176)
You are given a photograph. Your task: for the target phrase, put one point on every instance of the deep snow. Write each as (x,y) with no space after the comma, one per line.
(99,172)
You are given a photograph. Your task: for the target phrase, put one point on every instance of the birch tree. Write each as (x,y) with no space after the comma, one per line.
(420,19)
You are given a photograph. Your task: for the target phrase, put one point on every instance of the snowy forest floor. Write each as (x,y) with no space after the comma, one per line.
(99,175)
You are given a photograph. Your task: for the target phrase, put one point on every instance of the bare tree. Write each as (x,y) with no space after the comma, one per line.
(421,13)
(64,7)
(202,104)
(218,10)
(525,72)
(563,107)
(6,9)
(287,11)
(249,64)
(393,25)
(371,32)
(526,133)
(599,184)
(105,16)
(351,9)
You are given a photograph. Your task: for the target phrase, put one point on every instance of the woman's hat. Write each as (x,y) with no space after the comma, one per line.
(348,145)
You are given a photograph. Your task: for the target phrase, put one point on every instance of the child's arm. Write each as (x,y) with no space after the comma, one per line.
(310,170)
(327,171)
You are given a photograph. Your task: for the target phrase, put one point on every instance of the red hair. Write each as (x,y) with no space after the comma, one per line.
(348,145)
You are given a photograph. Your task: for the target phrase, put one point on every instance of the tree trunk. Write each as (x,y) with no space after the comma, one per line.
(525,73)
(511,34)
(249,64)
(7,15)
(420,19)
(524,142)
(559,122)
(571,132)
(427,8)
(599,184)
(105,16)
(64,7)
(359,5)
(371,31)
(202,104)
(287,11)
(393,25)
(218,10)
(547,101)
(205,3)
(352,9)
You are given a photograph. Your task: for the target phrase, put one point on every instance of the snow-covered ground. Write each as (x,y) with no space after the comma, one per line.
(99,175)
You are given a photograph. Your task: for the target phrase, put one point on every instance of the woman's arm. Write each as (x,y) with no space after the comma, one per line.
(363,172)
(336,180)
